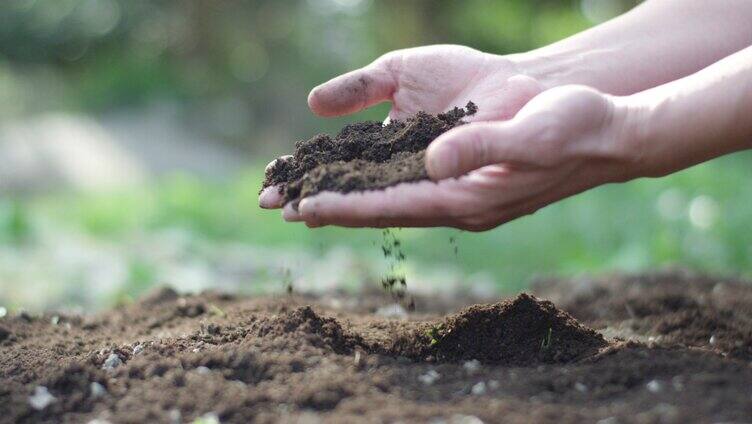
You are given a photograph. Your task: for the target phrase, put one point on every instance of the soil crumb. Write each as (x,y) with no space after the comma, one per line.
(363,156)
(519,331)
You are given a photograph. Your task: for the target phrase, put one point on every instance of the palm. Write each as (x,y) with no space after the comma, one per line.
(437,78)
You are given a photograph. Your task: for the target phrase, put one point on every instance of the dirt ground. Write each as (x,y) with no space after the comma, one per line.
(669,347)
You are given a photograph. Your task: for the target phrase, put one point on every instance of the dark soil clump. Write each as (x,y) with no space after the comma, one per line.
(363,156)
(520,331)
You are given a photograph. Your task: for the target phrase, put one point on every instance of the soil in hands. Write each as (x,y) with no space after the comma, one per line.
(363,156)
(172,358)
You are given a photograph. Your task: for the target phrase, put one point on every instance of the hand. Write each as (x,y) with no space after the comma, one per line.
(433,79)
(565,141)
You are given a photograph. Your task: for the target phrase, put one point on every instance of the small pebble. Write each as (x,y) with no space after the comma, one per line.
(713,340)
(175,416)
(139,348)
(654,386)
(479,389)
(429,378)
(97,390)
(55,320)
(359,359)
(208,418)
(3,312)
(41,398)
(203,370)
(113,361)
(580,387)
(465,419)
(472,366)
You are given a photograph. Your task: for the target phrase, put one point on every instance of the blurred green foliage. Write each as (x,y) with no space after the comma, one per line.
(245,67)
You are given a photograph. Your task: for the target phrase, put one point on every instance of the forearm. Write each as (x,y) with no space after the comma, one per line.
(693,119)
(657,42)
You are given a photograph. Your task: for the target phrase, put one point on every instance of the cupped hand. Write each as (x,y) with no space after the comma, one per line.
(432,79)
(565,141)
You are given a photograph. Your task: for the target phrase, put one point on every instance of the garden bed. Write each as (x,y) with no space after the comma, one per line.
(666,347)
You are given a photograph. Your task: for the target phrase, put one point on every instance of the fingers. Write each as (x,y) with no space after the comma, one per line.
(270,198)
(356,90)
(475,145)
(420,204)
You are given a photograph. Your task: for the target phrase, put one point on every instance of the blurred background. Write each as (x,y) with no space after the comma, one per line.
(133,136)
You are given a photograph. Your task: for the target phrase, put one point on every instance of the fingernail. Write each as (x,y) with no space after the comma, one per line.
(270,198)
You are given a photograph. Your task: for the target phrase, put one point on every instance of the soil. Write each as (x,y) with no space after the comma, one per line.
(363,156)
(668,347)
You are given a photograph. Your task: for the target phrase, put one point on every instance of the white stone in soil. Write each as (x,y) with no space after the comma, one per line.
(175,416)
(429,378)
(654,386)
(138,349)
(97,390)
(472,366)
(208,418)
(113,361)
(465,419)
(479,389)
(41,398)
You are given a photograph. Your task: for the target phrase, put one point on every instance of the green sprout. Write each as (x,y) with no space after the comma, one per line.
(546,342)
(434,333)
(216,310)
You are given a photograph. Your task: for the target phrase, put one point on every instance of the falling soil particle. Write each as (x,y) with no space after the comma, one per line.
(363,156)
(520,331)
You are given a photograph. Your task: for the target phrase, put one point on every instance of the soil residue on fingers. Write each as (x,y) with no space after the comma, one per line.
(363,156)
(521,331)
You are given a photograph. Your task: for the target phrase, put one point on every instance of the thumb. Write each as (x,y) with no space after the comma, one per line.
(356,90)
(475,145)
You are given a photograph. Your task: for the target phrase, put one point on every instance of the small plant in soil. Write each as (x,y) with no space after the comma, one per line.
(546,342)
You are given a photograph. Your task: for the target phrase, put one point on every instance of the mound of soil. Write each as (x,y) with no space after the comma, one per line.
(520,331)
(173,358)
(363,156)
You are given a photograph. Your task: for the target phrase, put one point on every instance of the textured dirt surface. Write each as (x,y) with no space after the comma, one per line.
(667,348)
(363,156)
